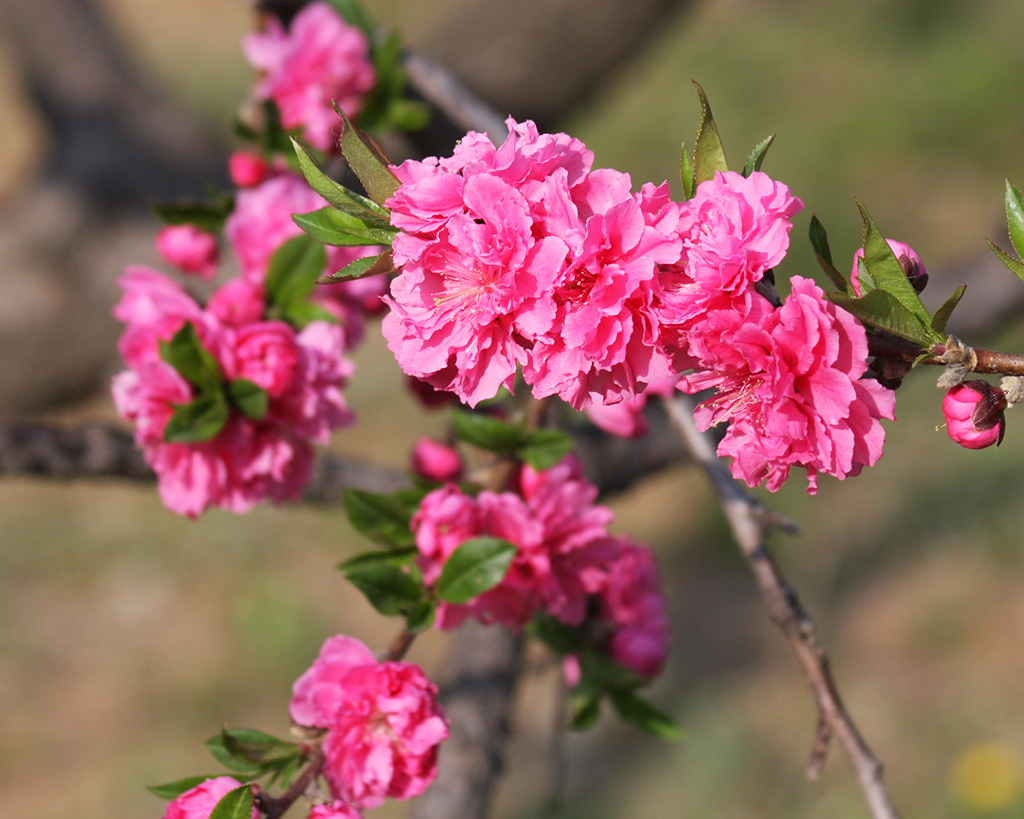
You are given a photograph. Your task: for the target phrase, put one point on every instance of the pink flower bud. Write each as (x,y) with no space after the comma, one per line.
(247,169)
(905,255)
(189,249)
(974,414)
(435,461)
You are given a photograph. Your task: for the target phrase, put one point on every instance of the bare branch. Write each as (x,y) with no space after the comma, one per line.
(750,532)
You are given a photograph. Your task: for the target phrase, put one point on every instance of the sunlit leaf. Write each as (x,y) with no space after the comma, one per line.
(709,155)
(477,566)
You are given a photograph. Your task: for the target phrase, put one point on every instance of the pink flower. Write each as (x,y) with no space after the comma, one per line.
(189,249)
(797,397)
(383,723)
(905,255)
(199,802)
(334,810)
(435,461)
(626,419)
(154,308)
(974,414)
(247,169)
(238,302)
(319,59)
(266,353)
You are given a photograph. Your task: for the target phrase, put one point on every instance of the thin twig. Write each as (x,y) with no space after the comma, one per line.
(785,610)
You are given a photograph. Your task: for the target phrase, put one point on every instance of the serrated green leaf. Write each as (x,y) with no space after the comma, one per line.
(942,315)
(886,272)
(880,309)
(686,175)
(477,566)
(1015,266)
(331,226)
(172,790)
(390,590)
(335,193)
(236,804)
(250,398)
(293,270)
(215,745)
(586,708)
(1015,218)
(357,269)
(708,155)
(383,518)
(543,448)
(199,420)
(757,155)
(193,362)
(823,253)
(385,557)
(486,432)
(635,709)
(368,161)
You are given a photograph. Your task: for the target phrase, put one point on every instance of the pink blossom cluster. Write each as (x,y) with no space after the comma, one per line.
(383,724)
(302,371)
(523,259)
(317,61)
(566,565)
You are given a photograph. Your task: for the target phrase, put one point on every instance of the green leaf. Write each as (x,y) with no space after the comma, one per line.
(390,590)
(886,272)
(186,353)
(1015,266)
(543,448)
(635,709)
(360,269)
(334,192)
(215,745)
(236,804)
(1015,218)
(247,745)
(354,15)
(478,565)
(757,155)
(331,226)
(880,309)
(250,398)
(586,708)
(300,313)
(368,161)
(421,616)
(556,635)
(822,252)
(486,432)
(293,270)
(206,214)
(407,115)
(686,173)
(709,155)
(199,420)
(946,310)
(382,518)
(381,557)
(172,790)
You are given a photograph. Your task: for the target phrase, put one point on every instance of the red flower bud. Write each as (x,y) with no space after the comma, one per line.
(974,414)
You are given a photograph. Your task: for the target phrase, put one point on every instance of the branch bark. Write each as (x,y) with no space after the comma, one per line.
(751,524)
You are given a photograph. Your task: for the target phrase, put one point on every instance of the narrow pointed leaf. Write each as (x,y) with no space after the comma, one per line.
(942,315)
(236,804)
(477,566)
(215,745)
(198,421)
(361,268)
(209,214)
(331,226)
(1015,266)
(757,155)
(250,398)
(390,590)
(880,309)
(368,161)
(709,155)
(293,270)
(886,271)
(172,790)
(334,192)
(1015,218)
(635,709)
(248,745)
(383,518)
(823,253)
(686,173)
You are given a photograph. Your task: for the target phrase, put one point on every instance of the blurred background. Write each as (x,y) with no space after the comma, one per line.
(128,636)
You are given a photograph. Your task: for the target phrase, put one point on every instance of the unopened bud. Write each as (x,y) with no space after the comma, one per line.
(974,414)
(435,461)
(905,255)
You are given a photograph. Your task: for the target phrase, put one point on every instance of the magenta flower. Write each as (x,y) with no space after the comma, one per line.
(436,461)
(798,397)
(247,169)
(319,60)
(199,802)
(383,723)
(189,249)
(974,414)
